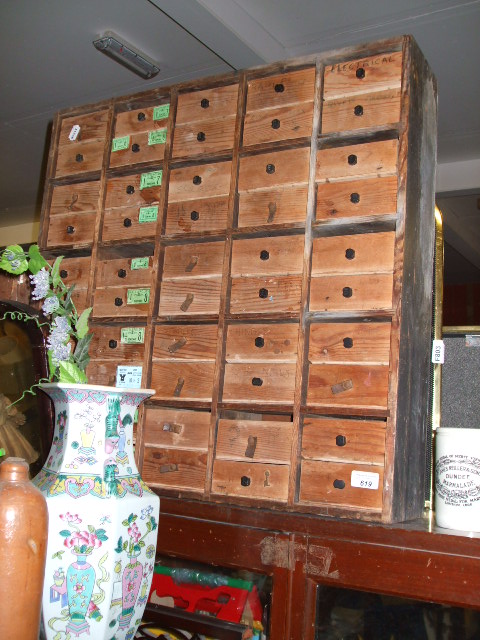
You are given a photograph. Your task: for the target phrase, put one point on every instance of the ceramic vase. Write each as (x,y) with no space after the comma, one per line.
(102,518)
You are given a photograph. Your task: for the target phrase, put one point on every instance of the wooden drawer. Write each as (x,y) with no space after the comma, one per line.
(190,297)
(124,272)
(274,169)
(185,342)
(124,345)
(85,153)
(92,127)
(200,181)
(251,480)
(204,216)
(265,295)
(193,260)
(75,271)
(274,125)
(371,159)
(71,230)
(280,90)
(207,104)
(148,146)
(375,73)
(199,138)
(344,440)
(74,199)
(104,372)
(127,191)
(262,342)
(259,382)
(129,223)
(254,440)
(361,112)
(367,197)
(330,482)
(267,256)
(352,386)
(175,468)
(80,299)
(351,293)
(360,253)
(281,206)
(122,302)
(183,380)
(179,429)
(141,120)
(349,342)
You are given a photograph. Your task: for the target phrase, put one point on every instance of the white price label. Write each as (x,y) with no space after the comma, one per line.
(364,479)
(438,352)
(129,377)
(73,135)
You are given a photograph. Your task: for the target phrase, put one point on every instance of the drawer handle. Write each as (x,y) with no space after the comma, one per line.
(63,273)
(352,159)
(197,180)
(275,123)
(270,168)
(192,264)
(259,342)
(350,254)
(266,483)
(339,484)
(112,344)
(263,293)
(194,215)
(245,481)
(264,255)
(130,189)
(118,302)
(187,302)
(272,210)
(345,385)
(360,73)
(205,103)
(201,136)
(135,147)
(70,230)
(176,345)
(122,273)
(141,116)
(179,387)
(127,222)
(340,441)
(251,446)
(74,200)
(355,198)
(172,427)
(348,343)
(168,468)
(257,382)
(347,292)
(358,110)
(79,157)
(279,88)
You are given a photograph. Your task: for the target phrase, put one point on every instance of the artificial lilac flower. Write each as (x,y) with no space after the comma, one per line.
(41,282)
(58,338)
(50,305)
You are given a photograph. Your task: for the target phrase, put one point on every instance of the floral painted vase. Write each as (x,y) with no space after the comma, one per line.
(102,517)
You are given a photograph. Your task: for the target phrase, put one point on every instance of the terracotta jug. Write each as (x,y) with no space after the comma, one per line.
(23,547)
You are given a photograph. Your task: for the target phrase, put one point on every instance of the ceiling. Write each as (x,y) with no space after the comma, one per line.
(49,63)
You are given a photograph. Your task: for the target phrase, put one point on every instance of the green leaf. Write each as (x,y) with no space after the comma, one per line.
(65,533)
(13,260)
(91,528)
(101,534)
(52,366)
(70,373)
(82,323)
(55,273)
(118,548)
(80,355)
(37,261)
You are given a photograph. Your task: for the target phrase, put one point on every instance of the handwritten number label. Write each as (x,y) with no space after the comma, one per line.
(152,179)
(132,335)
(119,144)
(161,112)
(129,377)
(365,480)
(157,137)
(139,263)
(138,296)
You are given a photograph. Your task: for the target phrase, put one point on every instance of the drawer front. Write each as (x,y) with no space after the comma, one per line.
(344,440)
(80,299)
(254,440)
(197,216)
(351,293)
(175,468)
(330,482)
(267,256)
(93,126)
(281,90)
(73,199)
(121,344)
(185,342)
(359,253)
(121,272)
(349,342)
(371,159)
(250,480)
(274,125)
(360,112)
(262,342)
(138,147)
(204,137)
(206,105)
(375,73)
(265,295)
(75,271)
(368,197)
(190,297)
(128,223)
(127,191)
(171,428)
(104,372)
(183,380)
(201,181)
(273,169)
(141,120)
(122,302)
(258,382)
(79,158)
(193,260)
(352,386)
(71,230)
(285,205)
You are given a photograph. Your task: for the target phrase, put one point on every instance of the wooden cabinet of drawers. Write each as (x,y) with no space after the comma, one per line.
(271,231)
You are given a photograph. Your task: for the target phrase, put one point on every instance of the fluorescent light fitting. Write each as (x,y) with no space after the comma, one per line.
(116,48)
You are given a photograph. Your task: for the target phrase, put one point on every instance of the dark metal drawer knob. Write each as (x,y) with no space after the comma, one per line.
(245,481)
(264,255)
(355,198)
(197,180)
(79,157)
(194,215)
(259,342)
(263,293)
(348,343)
(358,110)
(279,88)
(70,229)
(130,189)
(201,136)
(257,382)
(205,103)
(118,302)
(63,273)
(270,168)
(340,441)
(339,484)
(141,116)
(127,222)
(122,273)
(352,159)
(275,123)
(350,254)
(347,292)
(112,344)
(360,73)
(135,147)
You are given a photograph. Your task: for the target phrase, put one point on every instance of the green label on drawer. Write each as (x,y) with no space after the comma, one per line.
(161,112)
(118,144)
(148,214)
(152,179)
(132,335)
(157,137)
(139,263)
(138,296)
